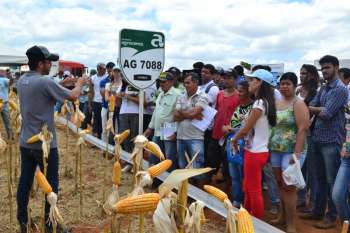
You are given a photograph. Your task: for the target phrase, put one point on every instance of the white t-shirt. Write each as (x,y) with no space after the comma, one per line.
(96,82)
(258,138)
(150,93)
(212,94)
(129,106)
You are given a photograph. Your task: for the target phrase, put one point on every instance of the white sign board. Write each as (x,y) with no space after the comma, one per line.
(141,55)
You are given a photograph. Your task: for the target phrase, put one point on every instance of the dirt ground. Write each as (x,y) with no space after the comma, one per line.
(96,179)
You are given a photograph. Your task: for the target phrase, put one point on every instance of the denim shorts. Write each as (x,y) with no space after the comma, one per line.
(281,159)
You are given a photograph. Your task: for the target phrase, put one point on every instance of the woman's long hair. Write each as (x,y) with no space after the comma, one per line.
(266,93)
(311,83)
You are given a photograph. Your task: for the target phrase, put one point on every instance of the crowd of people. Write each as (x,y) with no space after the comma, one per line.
(263,124)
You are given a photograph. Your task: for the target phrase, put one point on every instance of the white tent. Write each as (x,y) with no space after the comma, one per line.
(9,57)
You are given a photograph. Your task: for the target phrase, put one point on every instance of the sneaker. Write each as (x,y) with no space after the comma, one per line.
(310,216)
(325,224)
(236,204)
(61,228)
(274,208)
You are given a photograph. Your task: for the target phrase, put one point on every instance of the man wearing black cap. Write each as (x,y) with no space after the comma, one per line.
(38,95)
(162,123)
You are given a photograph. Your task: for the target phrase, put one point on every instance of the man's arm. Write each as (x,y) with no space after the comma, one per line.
(315,110)
(76,92)
(337,101)
(194,113)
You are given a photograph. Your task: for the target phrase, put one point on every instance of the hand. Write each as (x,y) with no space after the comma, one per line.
(122,94)
(226,129)
(343,153)
(234,143)
(82,81)
(148,133)
(172,137)
(199,116)
(297,155)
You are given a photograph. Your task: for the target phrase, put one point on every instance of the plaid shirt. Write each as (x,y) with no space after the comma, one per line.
(330,123)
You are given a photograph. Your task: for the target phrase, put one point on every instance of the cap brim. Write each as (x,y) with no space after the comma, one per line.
(253,76)
(53,57)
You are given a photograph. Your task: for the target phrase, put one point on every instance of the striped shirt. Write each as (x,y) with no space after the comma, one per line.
(330,122)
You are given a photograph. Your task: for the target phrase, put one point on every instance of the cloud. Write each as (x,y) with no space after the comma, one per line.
(220,32)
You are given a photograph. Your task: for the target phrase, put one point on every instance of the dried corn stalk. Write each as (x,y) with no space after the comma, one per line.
(137,154)
(194,217)
(54,215)
(231,213)
(80,144)
(164,215)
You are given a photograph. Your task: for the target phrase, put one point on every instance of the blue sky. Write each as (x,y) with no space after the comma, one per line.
(221,32)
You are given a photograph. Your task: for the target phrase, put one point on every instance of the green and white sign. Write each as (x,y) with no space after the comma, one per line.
(141,55)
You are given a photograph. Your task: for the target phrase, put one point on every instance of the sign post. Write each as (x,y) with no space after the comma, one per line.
(141,55)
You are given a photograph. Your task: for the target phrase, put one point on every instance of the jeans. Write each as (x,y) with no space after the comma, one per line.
(58,107)
(311,176)
(270,180)
(326,162)
(216,157)
(6,119)
(341,190)
(170,152)
(104,117)
(129,121)
(236,173)
(191,147)
(97,124)
(30,159)
(84,108)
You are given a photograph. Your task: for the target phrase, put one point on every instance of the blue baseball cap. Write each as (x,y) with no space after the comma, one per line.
(263,75)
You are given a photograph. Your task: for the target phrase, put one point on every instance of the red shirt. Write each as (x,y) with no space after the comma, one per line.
(225,105)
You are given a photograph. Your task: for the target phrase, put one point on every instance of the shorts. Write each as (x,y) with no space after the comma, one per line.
(281,159)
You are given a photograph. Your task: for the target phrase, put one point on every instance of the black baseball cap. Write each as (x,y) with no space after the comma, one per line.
(174,71)
(40,53)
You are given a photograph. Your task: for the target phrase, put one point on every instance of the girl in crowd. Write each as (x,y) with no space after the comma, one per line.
(256,132)
(237,120)
(310,83)
(288,137)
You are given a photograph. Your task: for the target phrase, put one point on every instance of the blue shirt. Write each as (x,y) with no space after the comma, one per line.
(330,122)
(4,88)
(103,85)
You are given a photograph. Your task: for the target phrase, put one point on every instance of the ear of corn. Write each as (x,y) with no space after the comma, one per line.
(42,182)
(154,149)
(220,195)
(117,172)
(138,204)
(13,106)
(111,104)
(244,220)
(33,139)
(159,168)
(121,137)
(81,115)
